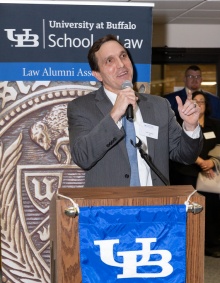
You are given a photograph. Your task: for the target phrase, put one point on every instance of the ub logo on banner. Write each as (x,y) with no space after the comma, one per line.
(130,262)
(123,244)
(25,39)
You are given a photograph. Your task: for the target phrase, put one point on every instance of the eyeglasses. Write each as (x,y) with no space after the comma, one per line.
(200,102)
(191,77)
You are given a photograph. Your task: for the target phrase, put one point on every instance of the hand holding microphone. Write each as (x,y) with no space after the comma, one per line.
(129,111)
(125,102)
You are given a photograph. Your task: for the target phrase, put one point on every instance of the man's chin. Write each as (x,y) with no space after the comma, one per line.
(195,89)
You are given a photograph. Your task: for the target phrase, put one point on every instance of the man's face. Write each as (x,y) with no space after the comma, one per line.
(193,80)
(114,64)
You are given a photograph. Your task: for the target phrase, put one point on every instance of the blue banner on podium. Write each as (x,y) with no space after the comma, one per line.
(133,244)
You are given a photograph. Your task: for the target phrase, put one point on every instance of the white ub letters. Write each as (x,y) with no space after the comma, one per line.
(130,262)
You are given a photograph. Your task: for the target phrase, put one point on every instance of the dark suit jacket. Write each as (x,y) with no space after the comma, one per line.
(213,101)
(98,146)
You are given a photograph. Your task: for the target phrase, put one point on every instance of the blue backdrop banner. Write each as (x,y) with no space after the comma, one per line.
(133,244)
(60,34)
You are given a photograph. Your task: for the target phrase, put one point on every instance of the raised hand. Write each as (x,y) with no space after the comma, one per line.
(189,112)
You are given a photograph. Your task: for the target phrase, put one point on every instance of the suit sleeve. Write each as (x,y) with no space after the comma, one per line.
(91,134)
(182,148)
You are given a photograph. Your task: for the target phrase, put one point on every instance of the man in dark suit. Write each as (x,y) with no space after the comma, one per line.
(97,136)
(192,81)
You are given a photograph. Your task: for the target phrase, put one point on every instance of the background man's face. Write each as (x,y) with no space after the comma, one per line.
(193,80)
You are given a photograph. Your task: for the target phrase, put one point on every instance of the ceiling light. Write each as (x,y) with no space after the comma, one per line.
(208,83)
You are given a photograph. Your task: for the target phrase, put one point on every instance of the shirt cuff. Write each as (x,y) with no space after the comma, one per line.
(119,124)
(193,134)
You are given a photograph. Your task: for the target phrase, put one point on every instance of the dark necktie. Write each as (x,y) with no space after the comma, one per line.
(132,151)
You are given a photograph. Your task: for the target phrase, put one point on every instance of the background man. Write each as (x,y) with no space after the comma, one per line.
(192,81)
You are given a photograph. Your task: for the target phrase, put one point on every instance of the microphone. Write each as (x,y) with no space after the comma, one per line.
(129,111)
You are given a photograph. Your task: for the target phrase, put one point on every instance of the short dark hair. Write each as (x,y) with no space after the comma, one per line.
(194,68)
(207,105)
(96,46)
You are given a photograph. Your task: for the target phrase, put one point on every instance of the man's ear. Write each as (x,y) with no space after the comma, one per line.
(97,75)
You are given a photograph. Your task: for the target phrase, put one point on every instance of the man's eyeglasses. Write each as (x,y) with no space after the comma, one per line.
(199,102)
(191,77)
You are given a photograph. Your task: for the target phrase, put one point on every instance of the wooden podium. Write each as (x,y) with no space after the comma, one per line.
(65,266)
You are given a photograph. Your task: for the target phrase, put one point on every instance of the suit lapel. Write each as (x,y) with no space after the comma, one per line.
(103,102)
(104,105)
(148,115)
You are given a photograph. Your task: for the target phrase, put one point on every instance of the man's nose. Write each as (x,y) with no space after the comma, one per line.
(120,63)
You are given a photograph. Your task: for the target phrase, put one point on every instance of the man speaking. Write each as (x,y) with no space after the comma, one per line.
(101,134)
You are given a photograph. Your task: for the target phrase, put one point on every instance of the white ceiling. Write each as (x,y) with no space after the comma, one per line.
(173,11)
(182,11)
(186,11)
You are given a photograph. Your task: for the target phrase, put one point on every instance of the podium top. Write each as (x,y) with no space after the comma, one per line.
(126,192)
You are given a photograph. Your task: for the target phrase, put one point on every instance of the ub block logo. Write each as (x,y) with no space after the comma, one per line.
(25,39)
(134,259)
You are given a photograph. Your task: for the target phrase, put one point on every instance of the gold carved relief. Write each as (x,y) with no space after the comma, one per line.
(34,162)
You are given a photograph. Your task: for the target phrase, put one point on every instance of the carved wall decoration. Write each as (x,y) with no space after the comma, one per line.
(34,162)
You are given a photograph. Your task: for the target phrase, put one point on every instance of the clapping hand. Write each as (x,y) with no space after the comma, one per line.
(207,166)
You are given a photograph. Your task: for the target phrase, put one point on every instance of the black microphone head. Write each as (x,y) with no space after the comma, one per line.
(126,84)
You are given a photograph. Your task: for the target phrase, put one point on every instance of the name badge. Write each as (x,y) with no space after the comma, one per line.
(149,130)
(209,135)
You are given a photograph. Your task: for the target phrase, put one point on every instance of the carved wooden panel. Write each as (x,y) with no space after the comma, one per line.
(34,162)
